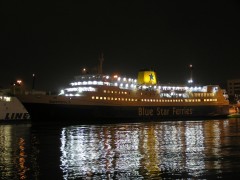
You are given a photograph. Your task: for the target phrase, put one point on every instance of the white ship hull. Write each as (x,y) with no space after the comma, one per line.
(12,110)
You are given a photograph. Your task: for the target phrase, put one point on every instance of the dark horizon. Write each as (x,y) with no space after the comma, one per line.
(56,40)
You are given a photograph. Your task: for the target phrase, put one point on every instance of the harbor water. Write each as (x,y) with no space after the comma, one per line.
(202,149)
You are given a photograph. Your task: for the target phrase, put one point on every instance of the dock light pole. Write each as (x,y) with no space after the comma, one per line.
(190,81)
(33,81)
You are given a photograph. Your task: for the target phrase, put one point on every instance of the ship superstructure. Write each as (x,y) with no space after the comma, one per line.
(119,87)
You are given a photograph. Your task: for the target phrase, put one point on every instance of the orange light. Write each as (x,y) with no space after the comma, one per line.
(19,81)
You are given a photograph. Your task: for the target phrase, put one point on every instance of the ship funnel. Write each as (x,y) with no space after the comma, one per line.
(147,77)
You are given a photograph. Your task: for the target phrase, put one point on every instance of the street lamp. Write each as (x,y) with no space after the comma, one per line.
(84,71)
(19,82)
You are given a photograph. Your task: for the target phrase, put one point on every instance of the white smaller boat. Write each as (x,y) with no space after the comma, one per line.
(12,110)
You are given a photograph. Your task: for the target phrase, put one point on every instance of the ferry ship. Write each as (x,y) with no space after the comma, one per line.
(106,99)
(12,110)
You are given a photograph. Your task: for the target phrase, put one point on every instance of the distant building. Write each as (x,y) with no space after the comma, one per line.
(233,88)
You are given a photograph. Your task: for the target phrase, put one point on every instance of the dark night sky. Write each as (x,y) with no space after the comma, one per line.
(56,39)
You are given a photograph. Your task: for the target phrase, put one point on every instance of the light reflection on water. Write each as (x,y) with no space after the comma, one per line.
(150,150)
(164,150)
(13,151)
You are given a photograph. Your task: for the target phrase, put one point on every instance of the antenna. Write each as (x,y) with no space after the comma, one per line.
(190,81)
(101,59)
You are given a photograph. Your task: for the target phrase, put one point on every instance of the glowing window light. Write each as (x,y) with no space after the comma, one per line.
(93,97)
(107,77)
(124,79)
(94,82)
(71,89)
(5,98)
(115,84)
(61,92)
(190,81)
(126,85)
(80,89)
(90,82)
(100,83)
(119,78)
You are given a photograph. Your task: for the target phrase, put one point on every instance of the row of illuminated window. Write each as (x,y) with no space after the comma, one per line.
(195,94)
(152,100)
(90,83)
(203,94)
(210,100)
(114,98)
(115,92)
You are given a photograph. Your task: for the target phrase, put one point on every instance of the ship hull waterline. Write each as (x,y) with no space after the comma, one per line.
(86,114)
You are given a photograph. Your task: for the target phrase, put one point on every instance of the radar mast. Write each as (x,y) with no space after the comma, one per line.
(101,59)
